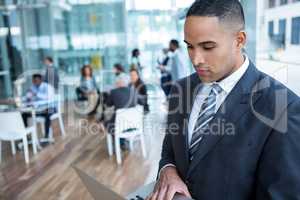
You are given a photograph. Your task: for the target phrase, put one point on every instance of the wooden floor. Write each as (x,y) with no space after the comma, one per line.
(50,175)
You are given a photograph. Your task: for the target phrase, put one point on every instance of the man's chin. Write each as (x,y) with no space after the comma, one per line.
(205,79)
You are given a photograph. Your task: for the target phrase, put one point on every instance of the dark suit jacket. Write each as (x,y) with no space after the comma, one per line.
(124,97)
(255,154)
(52,77)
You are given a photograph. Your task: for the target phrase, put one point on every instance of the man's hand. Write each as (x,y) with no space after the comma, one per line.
(29,95)
(168,185)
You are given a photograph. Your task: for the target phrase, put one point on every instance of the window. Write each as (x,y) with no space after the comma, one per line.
(281,34)
(282,25)
(271,28)
(283,2)
(295,30)
(272,3)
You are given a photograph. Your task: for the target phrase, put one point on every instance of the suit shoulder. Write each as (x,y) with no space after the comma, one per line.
(114,91)
(272,87)
(183,81)
(120,90)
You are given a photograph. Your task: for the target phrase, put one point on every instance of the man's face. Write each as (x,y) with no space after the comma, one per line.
(172,47)
(36,81)
(116,71)
(47,62)
(212,48)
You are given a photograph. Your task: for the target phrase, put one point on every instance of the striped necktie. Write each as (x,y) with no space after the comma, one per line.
(206,114)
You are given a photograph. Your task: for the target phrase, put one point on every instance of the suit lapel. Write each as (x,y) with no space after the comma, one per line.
(237,100)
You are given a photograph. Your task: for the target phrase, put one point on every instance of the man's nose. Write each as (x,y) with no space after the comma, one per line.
(197,58)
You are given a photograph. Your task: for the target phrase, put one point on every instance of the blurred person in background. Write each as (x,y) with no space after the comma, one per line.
(179,62)
(120,74)
(135,60)
(87,85)
(40,95)
(137,83)
(164,67)
(122,96)
(51,76)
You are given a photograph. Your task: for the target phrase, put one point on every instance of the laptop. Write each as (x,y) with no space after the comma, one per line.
(100,192)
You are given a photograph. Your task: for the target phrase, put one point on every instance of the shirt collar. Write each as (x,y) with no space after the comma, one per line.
(229,82)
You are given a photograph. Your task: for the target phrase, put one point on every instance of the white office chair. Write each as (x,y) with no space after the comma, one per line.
(126,119)
(13,128)
(57,115)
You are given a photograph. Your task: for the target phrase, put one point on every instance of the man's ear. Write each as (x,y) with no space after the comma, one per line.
(241,39)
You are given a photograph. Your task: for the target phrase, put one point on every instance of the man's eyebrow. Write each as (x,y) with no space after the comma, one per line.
(202,43)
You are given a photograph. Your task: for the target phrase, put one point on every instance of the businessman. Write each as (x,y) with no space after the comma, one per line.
(233,132)
(121,97)
(52,74)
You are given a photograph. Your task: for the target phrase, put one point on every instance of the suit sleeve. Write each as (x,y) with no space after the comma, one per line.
(167,154)
(279,165)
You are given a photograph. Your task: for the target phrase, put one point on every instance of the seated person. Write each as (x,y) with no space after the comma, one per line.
(140,87)
(40,94)
(87,83)
(120,97)
(120,73)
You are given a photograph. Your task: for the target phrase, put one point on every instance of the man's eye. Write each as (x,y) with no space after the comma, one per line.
(208,48)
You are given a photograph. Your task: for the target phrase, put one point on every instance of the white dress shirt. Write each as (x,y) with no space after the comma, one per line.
(226,84)
(41,95)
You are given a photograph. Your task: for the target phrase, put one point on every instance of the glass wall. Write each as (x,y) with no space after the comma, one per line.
(72,32)
(96,28)
(10,55)
(77,32)
(95,33)
(150,31)
(150,27)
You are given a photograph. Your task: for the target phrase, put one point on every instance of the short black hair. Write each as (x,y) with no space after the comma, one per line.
(135,52)
(174,42)
(119,67)
(227,11)
(50,59)
(37,76)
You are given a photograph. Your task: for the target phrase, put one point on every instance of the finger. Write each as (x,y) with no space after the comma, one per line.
(149,197)
(170,193)
(156,187)
(154,196)
(185,192)
(162,193)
